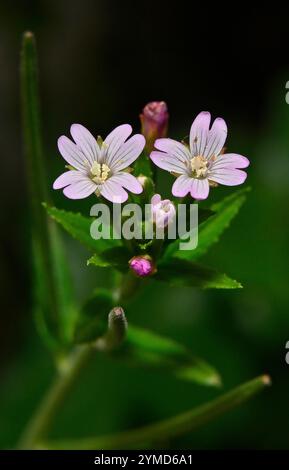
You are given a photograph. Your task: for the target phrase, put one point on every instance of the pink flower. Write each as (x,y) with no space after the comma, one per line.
(202,164)
(154,121)
(163,211)
(142,265)
(99,167)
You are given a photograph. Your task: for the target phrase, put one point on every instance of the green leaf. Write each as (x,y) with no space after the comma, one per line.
(170,428)
(143,166)
(92,320)
(179,272)
(145,348)
(211,229)
(54,301)
(78,227)
(117,257)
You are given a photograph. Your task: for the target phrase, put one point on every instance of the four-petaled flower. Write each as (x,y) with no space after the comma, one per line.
(202,164)
(99,167)
(163,211)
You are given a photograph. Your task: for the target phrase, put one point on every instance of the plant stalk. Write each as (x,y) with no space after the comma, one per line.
(168,429)
(42,420)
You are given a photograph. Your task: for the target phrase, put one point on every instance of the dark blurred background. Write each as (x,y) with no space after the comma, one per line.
(100,62)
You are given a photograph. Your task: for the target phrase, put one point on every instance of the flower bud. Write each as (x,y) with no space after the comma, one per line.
(163,211)
(142,265)
(154,121)
(116,331)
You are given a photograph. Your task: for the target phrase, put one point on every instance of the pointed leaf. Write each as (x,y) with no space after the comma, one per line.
(145,348)
(78,227)
(179,272)
(117,257)
(211,229)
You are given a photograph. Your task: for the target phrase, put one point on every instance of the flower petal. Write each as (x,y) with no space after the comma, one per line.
(230,160)
(72,154)
(156,199)
(81,189)
(127,181)
(114,141)
(174,149)
(199,133)
(227,176)
(182,186)
(67,178)
(168,163)
(200,189)
(127,153)
(216,138)
(86,142)
(113,191)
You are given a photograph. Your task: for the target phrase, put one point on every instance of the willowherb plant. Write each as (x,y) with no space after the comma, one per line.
(112,171)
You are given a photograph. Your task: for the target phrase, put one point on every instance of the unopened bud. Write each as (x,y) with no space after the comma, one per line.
(142,265)
(154,121)
(116,330)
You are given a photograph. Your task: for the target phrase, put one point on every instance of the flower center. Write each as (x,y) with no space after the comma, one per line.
(165,206)
(99,172)
(199,167)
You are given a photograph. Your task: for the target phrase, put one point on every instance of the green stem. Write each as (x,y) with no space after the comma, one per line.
(40,423)
(129,286)
(169,428)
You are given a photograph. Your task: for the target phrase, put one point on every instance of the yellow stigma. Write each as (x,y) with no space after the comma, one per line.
(199,167)
(99,172)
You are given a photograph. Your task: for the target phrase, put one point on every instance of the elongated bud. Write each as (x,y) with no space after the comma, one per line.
(154,122)
(142,266)
(163,211)
(116,330)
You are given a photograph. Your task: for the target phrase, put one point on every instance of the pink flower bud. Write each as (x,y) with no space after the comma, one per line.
(142,265)
(163,211)
(154,121)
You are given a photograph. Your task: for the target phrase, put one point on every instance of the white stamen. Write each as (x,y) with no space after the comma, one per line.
(199,166)
(99,172)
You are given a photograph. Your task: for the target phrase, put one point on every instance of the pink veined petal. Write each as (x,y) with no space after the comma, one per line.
(216,138)
(168,163)
(127,153)
(114,141)
(200,189)
(67,178)
(174,149)
(230,160)
(86,142)
(199,133)
(81,189)
(113,192)
(127,181)
(156,199)
(227,176)
(182,186)
(72,154)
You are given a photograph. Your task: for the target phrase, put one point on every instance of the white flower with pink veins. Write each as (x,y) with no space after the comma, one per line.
(202,164)
(99,167)
(163,211)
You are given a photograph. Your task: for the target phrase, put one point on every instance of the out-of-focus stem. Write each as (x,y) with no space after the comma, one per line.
(40,424)
(169,428)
